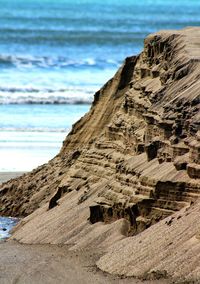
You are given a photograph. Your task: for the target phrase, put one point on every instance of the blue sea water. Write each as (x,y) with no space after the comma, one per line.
(54,54)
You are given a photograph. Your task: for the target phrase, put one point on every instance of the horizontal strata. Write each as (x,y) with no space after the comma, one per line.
(131,161)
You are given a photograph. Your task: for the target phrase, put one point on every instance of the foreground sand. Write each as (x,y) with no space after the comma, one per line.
(43,264)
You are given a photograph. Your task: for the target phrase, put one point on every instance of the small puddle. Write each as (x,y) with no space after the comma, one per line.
(6,224)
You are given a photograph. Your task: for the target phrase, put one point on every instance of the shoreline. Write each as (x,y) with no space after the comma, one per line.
(6,176)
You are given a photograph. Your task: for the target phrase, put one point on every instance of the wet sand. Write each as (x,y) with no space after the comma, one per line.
(5,176)
(43,264)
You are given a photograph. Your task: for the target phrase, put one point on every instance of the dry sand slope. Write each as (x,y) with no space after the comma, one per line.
(130,162)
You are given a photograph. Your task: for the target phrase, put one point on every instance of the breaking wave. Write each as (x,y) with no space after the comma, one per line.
(46,96)
(57,62)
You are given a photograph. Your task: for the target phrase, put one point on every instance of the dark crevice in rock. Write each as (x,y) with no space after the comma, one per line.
(55,198)
(127,72)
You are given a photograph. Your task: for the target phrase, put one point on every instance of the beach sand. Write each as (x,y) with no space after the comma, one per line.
(54,264)
(41,264)
(47,264)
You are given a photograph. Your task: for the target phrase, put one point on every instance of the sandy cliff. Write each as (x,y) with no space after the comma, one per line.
(131,161)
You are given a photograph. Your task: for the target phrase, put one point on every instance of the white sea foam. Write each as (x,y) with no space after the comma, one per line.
(6,224)
(29,130)
(29,61)
(34,96)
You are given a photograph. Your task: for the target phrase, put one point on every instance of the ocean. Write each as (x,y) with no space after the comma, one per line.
(54,55)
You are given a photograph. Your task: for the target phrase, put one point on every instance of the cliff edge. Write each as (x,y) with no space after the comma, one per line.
(130,162)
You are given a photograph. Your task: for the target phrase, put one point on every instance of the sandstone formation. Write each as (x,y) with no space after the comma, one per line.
(131,161)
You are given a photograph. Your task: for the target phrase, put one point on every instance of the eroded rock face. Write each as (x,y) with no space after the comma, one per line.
(135,155)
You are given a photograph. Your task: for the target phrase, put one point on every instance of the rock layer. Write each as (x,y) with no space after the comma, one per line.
(131,161)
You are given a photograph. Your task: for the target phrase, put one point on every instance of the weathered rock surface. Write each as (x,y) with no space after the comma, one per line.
(131,161)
